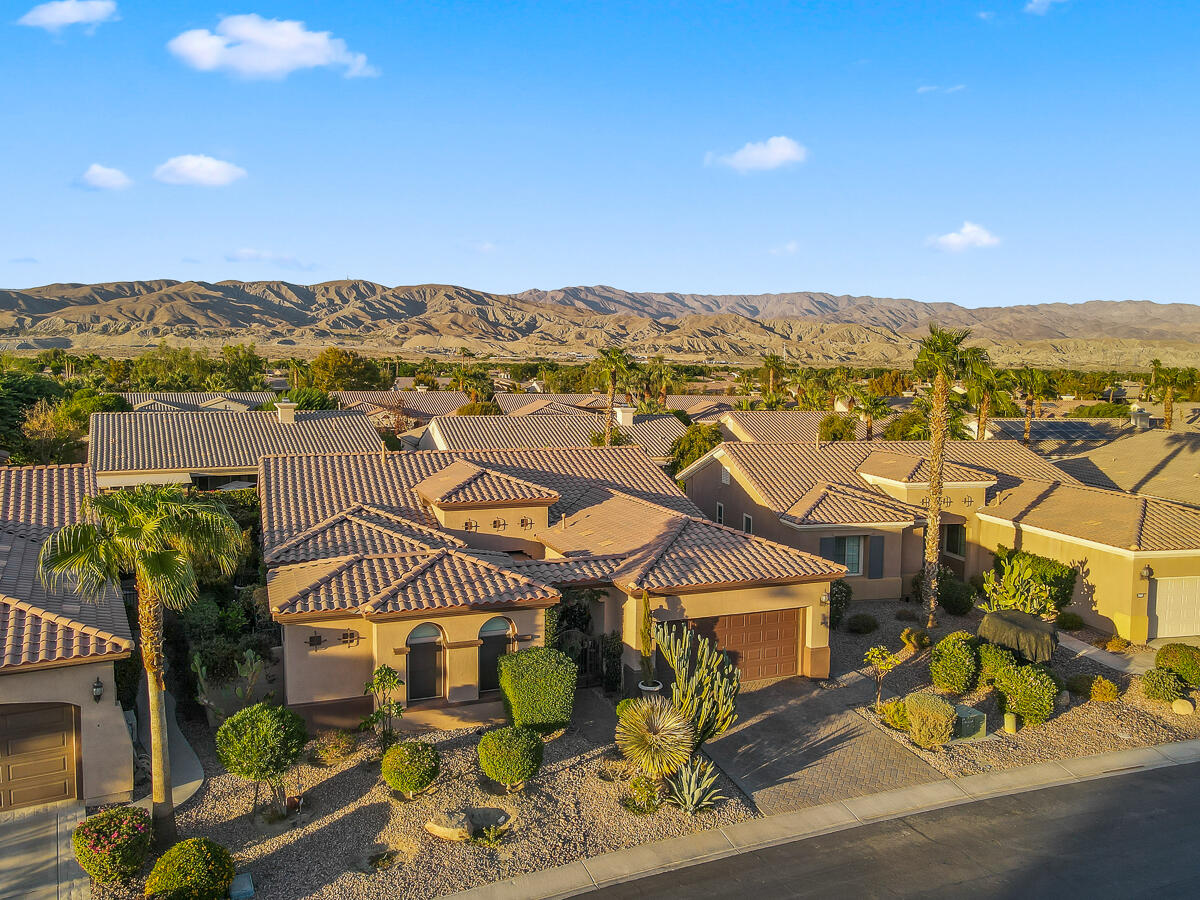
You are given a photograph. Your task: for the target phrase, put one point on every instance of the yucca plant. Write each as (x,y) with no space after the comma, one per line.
(693,788)
(654,736)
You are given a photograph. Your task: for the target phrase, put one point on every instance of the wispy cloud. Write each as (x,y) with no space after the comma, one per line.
(280,260)
(938,89)
(61,13)
(761,156)
(1040,7)
(986,15)
(23,261)
(254,47)
(788,249)
(485,246)
(102,178)
(971,235)
(194,168)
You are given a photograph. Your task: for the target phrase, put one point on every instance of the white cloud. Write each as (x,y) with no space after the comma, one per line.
(194,168)
(938,89)
(282,260)
(986,15)
(102,178)
(788,249)
(254,47)
(61,13)
(1041,7)
(762,155)
(927,88)
(969,236)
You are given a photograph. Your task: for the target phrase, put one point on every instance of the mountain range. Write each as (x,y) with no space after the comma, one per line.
(808,327)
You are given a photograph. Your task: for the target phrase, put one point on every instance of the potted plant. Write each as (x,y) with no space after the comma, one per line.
(649,685)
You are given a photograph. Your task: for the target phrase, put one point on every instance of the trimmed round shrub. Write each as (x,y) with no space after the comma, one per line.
(953,663)
(1069,621)
(623,705)
(112,846)
(538,687)
(1103,691)
(510,756)
(955,597)
(915,638)
(930,720)
(195,869)
(894,714)
(1183,660)
(410,767)
(994,659)
(261,742)
(1028,691)
(1162,685)
(1117,644)
(839,598)
(861,623)
(1081,685)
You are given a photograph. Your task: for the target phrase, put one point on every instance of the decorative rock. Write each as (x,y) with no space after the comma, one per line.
(1183,707)
(1063,700)
(450,826)
(482,817)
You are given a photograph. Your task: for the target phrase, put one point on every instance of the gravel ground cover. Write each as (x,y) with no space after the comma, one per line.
(1080,729)
(567,812)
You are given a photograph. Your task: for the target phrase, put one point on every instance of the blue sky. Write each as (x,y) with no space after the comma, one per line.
(987,153)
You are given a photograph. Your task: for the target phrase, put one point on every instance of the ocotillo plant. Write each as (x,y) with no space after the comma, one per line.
(706,681)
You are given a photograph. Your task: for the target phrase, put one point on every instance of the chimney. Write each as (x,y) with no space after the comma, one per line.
(286,410)
(624,416)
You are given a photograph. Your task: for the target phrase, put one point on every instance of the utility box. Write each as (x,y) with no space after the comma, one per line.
(242,887)
(969,723)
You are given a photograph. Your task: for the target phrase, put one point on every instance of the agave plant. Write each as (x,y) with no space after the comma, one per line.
(654,736)
(693,788)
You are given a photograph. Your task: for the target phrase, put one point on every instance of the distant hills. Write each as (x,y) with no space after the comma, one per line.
(816,328)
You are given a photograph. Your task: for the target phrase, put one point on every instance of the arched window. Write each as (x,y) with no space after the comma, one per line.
(496,639)
(425,663)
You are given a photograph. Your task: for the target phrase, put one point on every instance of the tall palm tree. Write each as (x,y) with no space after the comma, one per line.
(614,364)
(985,387)
(772,370)
(157,534)
(661,377)
(1171,381)
(1032,383)
(1155,367)
(870,406)
(942,358)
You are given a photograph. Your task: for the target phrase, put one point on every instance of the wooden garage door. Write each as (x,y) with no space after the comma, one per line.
(37,754)
(763,644)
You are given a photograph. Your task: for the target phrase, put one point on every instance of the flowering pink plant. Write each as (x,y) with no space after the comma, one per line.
(113,845)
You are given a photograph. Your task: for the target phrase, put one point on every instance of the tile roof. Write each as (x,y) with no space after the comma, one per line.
(837,504)
(419,404)
(511,401)
(192,442)
(1159,463)
(193,401)
(464,484)
(1124,521)
(43,497)
(654,434)
(545,407)
(360,529)
(785,426)
(380,586)
(570,571)
(911,469)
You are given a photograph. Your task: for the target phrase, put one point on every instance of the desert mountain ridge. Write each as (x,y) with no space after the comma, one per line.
(809,327)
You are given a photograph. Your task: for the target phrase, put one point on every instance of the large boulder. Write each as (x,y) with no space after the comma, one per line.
(1020,632)
(450,826)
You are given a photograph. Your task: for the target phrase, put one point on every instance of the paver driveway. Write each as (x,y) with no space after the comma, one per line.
(36,862)
(797,745)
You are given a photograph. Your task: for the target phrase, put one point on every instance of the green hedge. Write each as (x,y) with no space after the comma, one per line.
(112,846)
(195,869)
(1183,660)
(840,594)
(1028,691)
(1060,578)
(953,663)
(1161,685)
(993,660)
(930,720)
(538,687)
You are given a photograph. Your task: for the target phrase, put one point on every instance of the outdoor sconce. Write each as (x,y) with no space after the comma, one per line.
(315,640)
(498,524)
(470,525)
(97,690)
(1147,573)
(527,523)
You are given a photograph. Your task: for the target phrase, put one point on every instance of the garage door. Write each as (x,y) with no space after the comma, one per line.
(1174,607)
(37,754)
(763,644)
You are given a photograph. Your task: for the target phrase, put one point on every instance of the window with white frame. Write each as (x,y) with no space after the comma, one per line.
(720,513)
(846,551)
(747,524)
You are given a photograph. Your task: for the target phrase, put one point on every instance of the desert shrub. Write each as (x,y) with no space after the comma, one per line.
(915,638)
(623,705)
(1117,644)
(195,869)
(332,746)
(1069,621)
(510,756)
(693,788)
(480,408)
(1058,577)
(219,655)
(1028,691)
(953,663)
(538,687)
(644,797)
(840,594)
(410,767)
(706,683)
(1081,685)
(894,714)
(993,660)
(955,597)
(861,623)
(1103,691)
(836,427)
(655,736)
(1159,684)
(930,720)
(1016,588)
(1183,660)
(260,743)
(906,614)
(112,846)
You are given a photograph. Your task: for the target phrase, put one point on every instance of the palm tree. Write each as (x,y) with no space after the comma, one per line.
(157,534)
(1155,367)
(614,364)
(1170,381)
(1032,383)
(870,406)
(772,371)
(985,387)
(661,377)
(941,357)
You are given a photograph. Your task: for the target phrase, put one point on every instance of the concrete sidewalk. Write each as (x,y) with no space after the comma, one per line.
(36,859)
(1137,666)
(587,875)
(187,774)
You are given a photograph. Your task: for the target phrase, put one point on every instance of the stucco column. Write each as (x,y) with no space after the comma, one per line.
(814,651)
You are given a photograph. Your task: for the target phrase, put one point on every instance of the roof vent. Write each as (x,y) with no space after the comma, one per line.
(286,410)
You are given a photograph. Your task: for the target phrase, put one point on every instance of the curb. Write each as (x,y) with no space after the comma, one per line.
(587,875)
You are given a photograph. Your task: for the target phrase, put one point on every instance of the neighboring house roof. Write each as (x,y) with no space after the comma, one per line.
(464,484)
(786,426)
(197,442)
(1160,463)
(544,407)
(49,626)
(827,504)
(654,434)
(1112,518)
(909,468)
(512,401)
(193,401)
(1061,437)
(418,404)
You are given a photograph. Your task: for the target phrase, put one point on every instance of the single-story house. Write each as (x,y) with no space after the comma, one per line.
(437,562)
(524,404)
(63,735)
(783,426)
(1056,438)
(214,450)
(197,401)
(401,410)
(1158,463)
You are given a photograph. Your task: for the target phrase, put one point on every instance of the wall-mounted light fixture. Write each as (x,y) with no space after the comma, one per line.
(97,690)
(1147,573)
(526,523)
(499,524)
(470,525)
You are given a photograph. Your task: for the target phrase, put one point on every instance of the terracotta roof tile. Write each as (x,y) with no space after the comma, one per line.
(418,404)
(1159,463)
(360,529)
(912,469)
(43,497)
(654,433)
(194,401)
(462,483)
(838,504)
(785,426)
